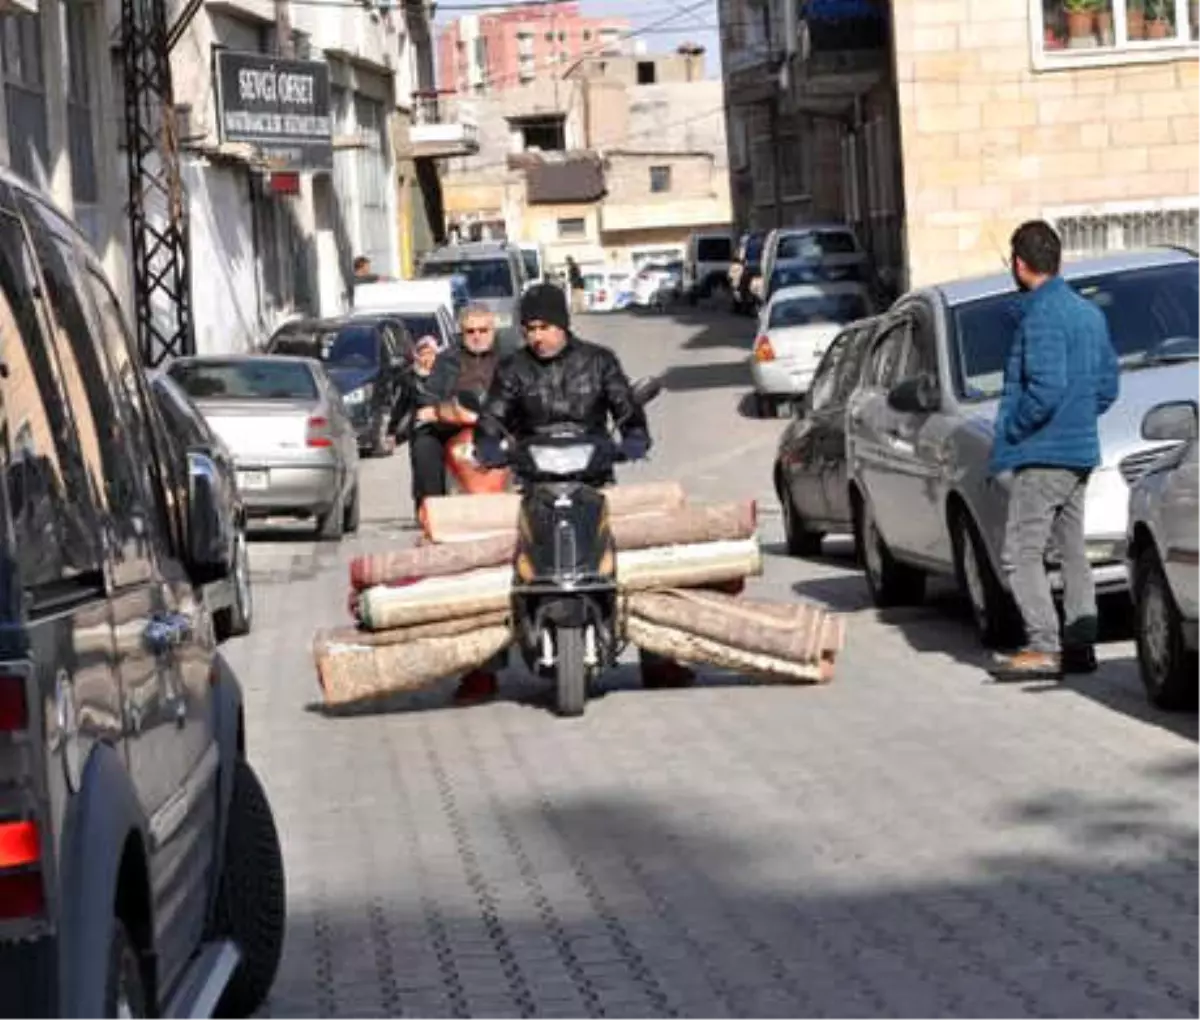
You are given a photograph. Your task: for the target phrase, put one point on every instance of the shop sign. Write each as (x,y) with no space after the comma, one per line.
(280,107)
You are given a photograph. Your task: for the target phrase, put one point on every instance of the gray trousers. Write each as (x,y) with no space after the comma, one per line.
(1045,504)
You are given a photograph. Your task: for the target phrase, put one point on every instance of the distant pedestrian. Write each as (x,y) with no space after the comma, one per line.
(575,283)
(362,270)
(1061,376)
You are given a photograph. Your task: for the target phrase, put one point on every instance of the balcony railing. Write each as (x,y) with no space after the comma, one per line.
(440,129)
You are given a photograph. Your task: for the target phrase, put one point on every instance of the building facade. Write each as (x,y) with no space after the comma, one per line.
(479,54)
(934,126)
(601,165)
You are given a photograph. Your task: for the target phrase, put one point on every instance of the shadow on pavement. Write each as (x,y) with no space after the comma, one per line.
(604,904)
(717,375)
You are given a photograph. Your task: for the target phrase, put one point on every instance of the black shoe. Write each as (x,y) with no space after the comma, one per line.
(1079,659)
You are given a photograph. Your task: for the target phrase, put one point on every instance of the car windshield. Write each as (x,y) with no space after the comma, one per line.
(714,249)
(421,325)
(1152,319)
(532,264)
(302,343)
(486,278)
(354,347)
(816,244)
(252,379)
(816,310)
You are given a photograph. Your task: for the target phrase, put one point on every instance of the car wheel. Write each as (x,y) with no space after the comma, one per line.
(251,904)
(353,513)
(801,541)
(332,523)
(236,619)
(125,991)
(993,611)
(1167,667)
(889,582)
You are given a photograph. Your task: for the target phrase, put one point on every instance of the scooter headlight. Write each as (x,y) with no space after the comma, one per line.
(562,460)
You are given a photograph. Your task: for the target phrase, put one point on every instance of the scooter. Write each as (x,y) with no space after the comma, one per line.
(565,572)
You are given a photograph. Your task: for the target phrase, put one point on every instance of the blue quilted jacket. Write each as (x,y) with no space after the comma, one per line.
(1061,375)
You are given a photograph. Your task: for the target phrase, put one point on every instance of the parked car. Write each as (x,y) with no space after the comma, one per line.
(140,867)
(815,251)
(657,284)
(810,465)
(230,596)
(495,275)
(920,426)
(294,445)
(706,264)
(794,330)
(367,359)
(607,290)
(746,268)
(1164,522)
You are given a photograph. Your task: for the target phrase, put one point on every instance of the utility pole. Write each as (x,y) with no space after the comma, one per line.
(285,43)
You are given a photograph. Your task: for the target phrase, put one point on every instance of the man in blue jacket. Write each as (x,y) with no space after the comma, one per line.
(1062,374)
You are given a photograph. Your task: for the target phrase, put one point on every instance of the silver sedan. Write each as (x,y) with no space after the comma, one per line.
(294,446)
(1164,518)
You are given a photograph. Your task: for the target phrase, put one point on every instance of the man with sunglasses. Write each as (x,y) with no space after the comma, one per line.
(440,419)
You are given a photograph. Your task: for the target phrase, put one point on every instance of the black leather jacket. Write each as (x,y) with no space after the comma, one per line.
(584,384)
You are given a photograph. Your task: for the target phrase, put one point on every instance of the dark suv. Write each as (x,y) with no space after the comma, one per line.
(140,868)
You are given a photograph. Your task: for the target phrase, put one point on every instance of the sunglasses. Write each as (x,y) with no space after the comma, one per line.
(477,330)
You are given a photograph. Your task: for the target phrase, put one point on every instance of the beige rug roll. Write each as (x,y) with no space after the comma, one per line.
(450,518)
(406,635)
(436,598)
(685,647)
(357,674)
(688,566)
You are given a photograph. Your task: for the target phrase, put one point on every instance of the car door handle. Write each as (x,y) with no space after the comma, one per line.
(166,632)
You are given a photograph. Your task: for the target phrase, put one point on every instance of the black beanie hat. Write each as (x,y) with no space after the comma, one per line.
(544,302)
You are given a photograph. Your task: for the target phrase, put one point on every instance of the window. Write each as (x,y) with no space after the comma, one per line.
(816,244)
(824,381)
(525,43)
(46,485)
(545,133)
(486,278)
(610,39)
(25,94)
(817,309)
(714,249)
(921,357)
(1152,319)
(660,179)
(850,367)
(109,438)
(572,227)
(549,37)
(885,356)
(256,379)
(1071,30)
(587,35)
(1097,232)
(645,72)
(84,187)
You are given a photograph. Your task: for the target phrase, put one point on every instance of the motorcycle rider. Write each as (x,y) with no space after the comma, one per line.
(559,378)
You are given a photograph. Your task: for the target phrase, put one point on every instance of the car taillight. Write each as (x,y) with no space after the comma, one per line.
(14,713)
(318,432)
(22,892)
(763,351)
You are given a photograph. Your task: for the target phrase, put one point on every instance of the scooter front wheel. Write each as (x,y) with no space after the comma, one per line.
(571,672)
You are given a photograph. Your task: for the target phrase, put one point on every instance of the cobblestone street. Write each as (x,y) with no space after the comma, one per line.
(908,840)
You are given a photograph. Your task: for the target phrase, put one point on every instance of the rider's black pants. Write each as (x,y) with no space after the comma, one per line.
(427,453)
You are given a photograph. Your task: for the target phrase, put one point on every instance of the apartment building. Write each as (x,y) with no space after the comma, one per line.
(600,165)
(480,54)
(934,126)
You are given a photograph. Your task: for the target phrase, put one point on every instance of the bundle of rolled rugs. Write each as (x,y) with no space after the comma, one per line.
(443,606)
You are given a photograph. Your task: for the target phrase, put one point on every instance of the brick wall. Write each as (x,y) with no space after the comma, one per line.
(989,141)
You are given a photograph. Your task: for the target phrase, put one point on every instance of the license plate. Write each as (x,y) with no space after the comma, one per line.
(254,479)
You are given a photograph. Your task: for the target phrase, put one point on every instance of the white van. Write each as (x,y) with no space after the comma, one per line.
(706,263)
(834,247)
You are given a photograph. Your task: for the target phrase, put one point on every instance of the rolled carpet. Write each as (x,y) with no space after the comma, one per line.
(804,633)
(489,589)
(689,525)
(450,518)
(357,673)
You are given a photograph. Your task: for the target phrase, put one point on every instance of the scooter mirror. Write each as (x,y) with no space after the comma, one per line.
(647,389)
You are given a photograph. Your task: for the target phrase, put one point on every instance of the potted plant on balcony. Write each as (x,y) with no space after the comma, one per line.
(1158,20)
(1135,20)
(1081,21)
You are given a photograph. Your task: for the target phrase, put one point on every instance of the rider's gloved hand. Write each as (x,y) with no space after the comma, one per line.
(635,447)
(489,452)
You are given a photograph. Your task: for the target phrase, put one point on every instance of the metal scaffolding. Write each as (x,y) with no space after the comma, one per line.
(158,226)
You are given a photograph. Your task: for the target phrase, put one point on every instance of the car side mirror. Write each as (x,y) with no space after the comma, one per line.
(1175,420)
(647,389)
(208,543)
(915,395)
